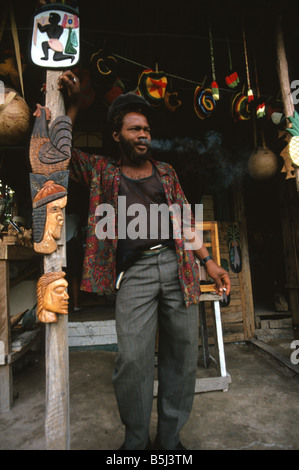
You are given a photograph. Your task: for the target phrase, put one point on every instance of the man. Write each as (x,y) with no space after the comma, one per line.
(157,279)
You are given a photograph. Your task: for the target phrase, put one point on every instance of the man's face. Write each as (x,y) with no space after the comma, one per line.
(134,131)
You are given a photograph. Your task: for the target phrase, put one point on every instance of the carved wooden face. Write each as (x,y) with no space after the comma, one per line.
(56,297)
(53,226)
(55,219)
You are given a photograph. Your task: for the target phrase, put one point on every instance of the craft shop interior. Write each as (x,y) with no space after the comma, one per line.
(223,84)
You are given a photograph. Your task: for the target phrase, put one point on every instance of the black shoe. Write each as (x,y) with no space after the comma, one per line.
(148,447)
(158,446)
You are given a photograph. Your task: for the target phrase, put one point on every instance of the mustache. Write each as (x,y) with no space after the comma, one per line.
(144,141)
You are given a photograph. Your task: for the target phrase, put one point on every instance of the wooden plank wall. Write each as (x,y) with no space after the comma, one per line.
(234,316)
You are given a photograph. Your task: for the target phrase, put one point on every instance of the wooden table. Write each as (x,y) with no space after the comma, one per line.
(8,253)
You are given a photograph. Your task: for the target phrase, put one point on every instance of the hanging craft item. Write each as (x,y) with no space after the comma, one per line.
(50,150)
(103,69)
(55,37)
(49,198)
(240,107)
(235,255)
(262,163)
(52,296)
(274,111)
(152,86)
(249,90)
(261,106)
(232,80)
(171,99)
(214,85)
(204,103)
(293,146)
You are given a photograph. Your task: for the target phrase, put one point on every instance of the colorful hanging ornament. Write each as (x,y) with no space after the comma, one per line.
(204,103)
(249,91)
(103,69)
(232,80)
(261,106)
(152,86)
(214,85)
(261,110)
(240,107)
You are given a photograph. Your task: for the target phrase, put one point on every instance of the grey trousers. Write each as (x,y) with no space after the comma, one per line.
(150,295)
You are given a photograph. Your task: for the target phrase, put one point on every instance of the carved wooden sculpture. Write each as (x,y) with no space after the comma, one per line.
(52,296)
(49,197)
(50,150)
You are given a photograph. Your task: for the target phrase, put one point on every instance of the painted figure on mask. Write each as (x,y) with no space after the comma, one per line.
(49,199)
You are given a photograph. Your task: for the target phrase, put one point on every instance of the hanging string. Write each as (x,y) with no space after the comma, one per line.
(229,56)
(249,91)
(214,85)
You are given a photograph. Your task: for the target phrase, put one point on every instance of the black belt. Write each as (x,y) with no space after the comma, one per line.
(155,250)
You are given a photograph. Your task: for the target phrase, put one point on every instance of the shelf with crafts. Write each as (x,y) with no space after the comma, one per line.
(209,233)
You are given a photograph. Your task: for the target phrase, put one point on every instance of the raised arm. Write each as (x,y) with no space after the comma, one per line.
(69,84)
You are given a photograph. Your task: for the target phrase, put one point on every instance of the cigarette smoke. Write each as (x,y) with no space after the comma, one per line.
(227,166)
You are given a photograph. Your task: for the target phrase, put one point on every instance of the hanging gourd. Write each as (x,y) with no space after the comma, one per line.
(262,163)
(294,142)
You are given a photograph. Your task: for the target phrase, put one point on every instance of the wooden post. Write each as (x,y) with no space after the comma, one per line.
(5,367)
(57,427)
(284,80)
(245,274)
(289,221)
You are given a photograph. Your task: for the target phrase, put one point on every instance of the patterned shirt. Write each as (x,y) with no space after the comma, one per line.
(102,177)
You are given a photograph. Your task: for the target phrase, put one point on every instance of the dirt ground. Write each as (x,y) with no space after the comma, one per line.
(260,410)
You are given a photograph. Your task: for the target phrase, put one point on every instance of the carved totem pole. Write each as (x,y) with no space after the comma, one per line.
(54,46)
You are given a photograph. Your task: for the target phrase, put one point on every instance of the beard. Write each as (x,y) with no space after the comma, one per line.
(134,156)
